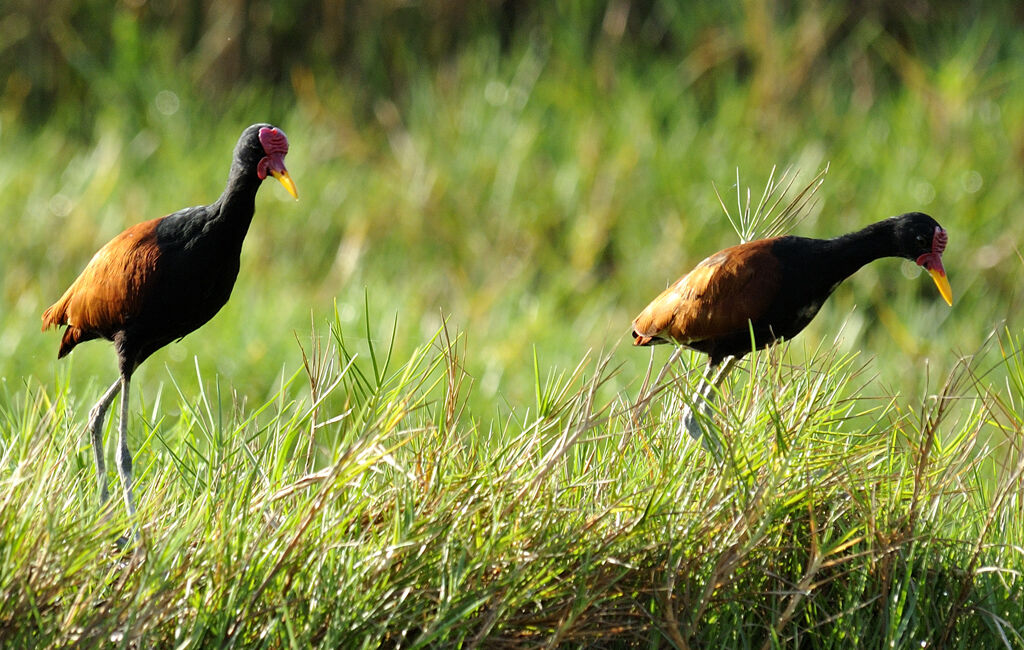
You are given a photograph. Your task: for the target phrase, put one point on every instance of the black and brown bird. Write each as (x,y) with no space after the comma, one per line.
(772,288)
(161,279)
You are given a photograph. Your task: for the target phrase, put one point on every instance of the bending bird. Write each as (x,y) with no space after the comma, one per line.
(772,288)
(161,279)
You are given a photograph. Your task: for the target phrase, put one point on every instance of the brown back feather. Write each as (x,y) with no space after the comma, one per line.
(717,298)
(110,289)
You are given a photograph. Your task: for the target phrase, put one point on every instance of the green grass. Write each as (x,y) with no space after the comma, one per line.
(833,517)
(419,420)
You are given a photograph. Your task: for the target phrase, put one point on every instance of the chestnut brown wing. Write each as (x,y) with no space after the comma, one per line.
(714,300)
(111,289)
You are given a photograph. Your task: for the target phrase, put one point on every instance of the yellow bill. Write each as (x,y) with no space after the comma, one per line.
(942,283)
(289,185)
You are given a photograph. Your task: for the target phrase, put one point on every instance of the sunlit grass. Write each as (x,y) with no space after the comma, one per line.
(831,515)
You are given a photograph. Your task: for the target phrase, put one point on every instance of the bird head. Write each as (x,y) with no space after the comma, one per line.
(925,240)
(261,150)
(275,145)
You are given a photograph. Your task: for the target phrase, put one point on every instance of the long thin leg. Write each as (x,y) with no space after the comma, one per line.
(95,432)
(124,457)
(705,395)
(722,372)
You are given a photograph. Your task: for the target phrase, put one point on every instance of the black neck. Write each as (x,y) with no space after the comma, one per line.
(849,253)
(235,207)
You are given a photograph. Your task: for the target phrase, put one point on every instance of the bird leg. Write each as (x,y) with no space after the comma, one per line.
(95,432)
(124,457)
(705,394)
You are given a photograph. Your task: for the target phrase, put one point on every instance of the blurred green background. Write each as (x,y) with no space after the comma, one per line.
(536,172)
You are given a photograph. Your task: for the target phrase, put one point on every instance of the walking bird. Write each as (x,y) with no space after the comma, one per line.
(161,279)
(772,288)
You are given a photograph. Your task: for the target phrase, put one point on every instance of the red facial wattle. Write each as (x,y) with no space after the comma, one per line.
(275,145)
(932,262)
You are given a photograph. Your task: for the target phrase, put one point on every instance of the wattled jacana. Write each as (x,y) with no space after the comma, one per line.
(773,288)
(161,279)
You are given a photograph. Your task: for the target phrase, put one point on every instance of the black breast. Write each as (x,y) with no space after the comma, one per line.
(807,280)
(196,271)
